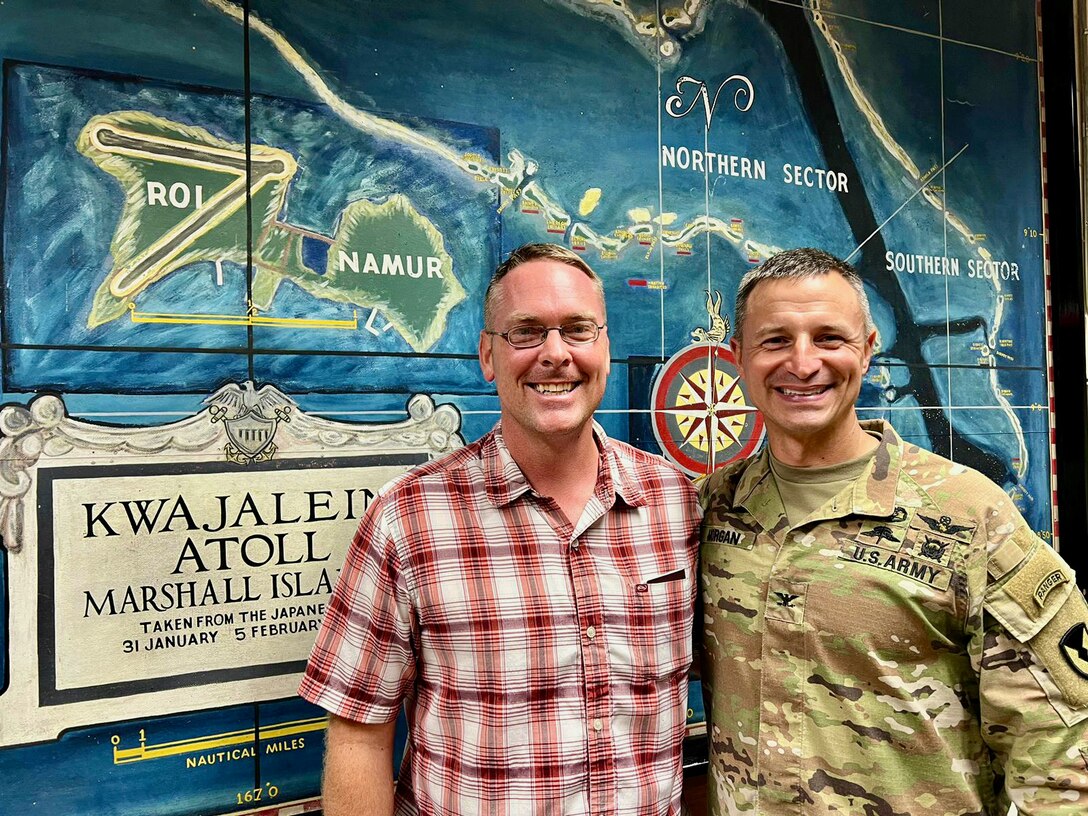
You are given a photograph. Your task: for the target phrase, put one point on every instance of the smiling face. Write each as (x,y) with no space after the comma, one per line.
(548,393)
(803,353)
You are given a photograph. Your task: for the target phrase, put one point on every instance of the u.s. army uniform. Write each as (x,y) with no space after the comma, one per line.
(910,648)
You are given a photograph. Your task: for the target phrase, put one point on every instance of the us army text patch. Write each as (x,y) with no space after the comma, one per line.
(916,569)
(715,534)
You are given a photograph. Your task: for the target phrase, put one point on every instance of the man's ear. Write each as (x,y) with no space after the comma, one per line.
(484,350)
(870,344)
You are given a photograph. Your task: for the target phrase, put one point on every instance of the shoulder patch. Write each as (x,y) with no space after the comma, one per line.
(1062,647)
(1005,558)
(1044,587)
(1074,645)
(1041,608)
(1034,583)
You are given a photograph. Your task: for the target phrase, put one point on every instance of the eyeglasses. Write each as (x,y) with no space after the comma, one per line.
(578,333)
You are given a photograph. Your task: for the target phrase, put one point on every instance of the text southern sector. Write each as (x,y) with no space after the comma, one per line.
(906,263)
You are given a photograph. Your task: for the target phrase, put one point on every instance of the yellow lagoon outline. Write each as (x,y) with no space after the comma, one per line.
(105,137)
(251,318)
(196,745)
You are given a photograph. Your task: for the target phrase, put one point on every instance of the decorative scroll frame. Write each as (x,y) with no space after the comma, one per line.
(44,430)
(42,435)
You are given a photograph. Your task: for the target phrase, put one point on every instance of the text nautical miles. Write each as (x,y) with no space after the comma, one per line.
(246,752)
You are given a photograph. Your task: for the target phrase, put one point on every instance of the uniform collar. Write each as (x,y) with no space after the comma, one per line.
(873,492)
(876,488)
(505,482)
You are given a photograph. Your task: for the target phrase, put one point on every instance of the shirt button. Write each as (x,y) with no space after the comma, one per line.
(591,632)
(574,544)
(597,725)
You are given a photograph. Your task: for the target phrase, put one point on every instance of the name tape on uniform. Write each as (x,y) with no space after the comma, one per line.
(715,534)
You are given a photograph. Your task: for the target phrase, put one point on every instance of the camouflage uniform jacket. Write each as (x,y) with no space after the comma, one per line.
(910,648)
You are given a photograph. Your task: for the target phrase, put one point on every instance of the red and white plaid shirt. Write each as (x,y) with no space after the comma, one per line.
(542,666)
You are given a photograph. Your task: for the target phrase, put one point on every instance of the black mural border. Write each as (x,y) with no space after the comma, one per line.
(1067,289)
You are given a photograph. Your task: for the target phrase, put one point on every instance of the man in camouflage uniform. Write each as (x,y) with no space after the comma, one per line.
(884,634)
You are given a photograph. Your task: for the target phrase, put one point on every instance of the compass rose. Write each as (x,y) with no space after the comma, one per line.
(701,417)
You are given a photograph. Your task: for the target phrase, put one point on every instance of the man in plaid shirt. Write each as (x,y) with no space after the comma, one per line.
(527,599)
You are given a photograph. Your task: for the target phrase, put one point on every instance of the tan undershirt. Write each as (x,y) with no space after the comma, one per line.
(806,489)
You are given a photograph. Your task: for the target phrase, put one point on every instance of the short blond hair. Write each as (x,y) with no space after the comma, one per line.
(536,252)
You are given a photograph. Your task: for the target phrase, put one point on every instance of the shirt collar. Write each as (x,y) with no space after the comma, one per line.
(505,482)
(873,495)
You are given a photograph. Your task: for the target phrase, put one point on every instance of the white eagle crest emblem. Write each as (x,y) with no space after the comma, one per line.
(250,416)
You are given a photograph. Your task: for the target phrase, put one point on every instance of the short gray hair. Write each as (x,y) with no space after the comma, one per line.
(794,264)
(536,252)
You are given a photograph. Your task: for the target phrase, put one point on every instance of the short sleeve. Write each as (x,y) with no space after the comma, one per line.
(364,659)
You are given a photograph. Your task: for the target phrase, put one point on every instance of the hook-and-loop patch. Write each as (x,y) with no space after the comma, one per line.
(1039,605)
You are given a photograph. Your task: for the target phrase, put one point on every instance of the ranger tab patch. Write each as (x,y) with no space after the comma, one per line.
(1054,579)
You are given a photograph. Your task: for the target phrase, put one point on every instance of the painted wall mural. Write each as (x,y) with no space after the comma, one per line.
(244,248)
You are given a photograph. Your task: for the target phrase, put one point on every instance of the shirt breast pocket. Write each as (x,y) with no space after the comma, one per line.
(650,633)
